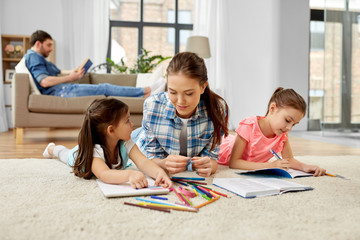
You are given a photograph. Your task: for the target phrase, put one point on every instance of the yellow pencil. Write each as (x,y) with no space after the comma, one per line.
(329,174)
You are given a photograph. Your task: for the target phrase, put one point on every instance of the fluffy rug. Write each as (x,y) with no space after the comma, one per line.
(42,199)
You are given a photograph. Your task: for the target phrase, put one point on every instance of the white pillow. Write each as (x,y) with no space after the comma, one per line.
(21,68)
(147,79)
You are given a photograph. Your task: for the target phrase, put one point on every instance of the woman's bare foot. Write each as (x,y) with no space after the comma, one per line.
(147,92)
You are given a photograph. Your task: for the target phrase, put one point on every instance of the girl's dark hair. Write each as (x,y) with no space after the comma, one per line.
(287,98)
(40,36)
(193,66)
(100,114)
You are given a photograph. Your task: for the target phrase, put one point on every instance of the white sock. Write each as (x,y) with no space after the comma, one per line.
(46,151)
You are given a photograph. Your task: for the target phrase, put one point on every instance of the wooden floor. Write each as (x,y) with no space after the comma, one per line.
(35,140)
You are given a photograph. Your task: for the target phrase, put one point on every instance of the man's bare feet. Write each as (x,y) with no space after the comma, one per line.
(147,92)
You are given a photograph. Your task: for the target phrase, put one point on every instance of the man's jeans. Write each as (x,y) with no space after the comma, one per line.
(79,90)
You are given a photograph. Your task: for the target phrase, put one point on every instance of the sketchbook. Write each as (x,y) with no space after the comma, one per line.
(276,172)
(258,187)
(125,190)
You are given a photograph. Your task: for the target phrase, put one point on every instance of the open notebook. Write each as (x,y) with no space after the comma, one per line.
(257,187)
(125,190)
(276,172)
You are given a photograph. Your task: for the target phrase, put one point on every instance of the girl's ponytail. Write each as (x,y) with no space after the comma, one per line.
(82,166)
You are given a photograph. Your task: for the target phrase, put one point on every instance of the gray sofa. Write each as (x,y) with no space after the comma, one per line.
(31,110)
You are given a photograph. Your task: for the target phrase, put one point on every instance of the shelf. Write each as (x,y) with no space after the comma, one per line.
(12,59)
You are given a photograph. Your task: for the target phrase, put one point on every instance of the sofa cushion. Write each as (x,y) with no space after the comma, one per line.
(53,104)
(76,105)
(116,79)
(21,68)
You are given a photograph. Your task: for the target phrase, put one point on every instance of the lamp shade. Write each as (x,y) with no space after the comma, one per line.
(199,45)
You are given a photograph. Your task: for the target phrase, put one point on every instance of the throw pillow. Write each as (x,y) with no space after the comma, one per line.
(21,68)
(147,79)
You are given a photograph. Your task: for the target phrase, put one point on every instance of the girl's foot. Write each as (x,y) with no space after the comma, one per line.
(49,150)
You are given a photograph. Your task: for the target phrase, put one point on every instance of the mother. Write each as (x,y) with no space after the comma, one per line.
(182,128)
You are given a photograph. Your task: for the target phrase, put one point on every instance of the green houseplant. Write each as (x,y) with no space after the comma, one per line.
(144,63)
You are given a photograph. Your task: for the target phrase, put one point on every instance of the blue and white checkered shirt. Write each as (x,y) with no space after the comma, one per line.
(161,127)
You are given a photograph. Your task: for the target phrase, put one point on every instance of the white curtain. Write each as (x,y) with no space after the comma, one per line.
(86,31)
(210,21)
(3,118)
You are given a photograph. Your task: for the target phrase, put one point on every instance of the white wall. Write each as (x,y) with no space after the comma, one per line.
(23,17)
(268,46)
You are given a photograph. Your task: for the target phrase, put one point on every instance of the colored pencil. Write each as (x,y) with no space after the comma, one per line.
(189,209)
(156,197)
(206,203)
(178,195)
(155,201)
(189,181)
(329,174)
(148,207)
(205,191)
(182,183)
(186,199)
(202,193)
(190,178)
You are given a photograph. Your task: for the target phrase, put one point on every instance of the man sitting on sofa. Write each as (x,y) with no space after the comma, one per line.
(46,79)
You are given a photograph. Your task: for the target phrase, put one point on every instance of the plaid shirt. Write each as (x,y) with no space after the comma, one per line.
(161,127)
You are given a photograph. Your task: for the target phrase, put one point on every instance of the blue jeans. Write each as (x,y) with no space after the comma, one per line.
(79,90)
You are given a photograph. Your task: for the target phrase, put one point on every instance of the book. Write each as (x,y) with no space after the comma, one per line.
(258,187)
(125,189)
(276,172)
(86,65)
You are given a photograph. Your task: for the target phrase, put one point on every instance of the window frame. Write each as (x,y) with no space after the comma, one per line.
(141,24)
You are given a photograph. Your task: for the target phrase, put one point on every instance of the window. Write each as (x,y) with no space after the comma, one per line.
(161,27)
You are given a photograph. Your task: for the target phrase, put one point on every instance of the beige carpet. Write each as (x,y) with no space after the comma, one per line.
(41,199)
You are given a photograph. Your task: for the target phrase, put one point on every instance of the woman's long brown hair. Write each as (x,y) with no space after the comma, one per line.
(193,66)
(100,114)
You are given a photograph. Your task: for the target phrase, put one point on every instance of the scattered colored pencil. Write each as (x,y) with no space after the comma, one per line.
(156,197)
(179,182)
(190,178)
(148,207)
(208,202)
(178,208)
(178,195)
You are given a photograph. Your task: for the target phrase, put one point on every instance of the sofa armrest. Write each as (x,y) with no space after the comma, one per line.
(20,96)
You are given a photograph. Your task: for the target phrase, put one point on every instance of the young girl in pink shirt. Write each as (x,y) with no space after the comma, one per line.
(250,148)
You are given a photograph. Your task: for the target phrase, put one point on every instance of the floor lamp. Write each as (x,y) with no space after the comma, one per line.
(199,45)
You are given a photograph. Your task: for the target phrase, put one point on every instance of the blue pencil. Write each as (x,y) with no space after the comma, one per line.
(189,178)
(274,153)
(180,183)
(156,197)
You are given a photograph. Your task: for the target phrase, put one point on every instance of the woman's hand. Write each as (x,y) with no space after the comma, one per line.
(163,180)
(318,171)
(175,164)
(137,179)
(203,165)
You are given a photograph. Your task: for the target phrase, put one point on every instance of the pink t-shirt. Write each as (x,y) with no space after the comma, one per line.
(258,146)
